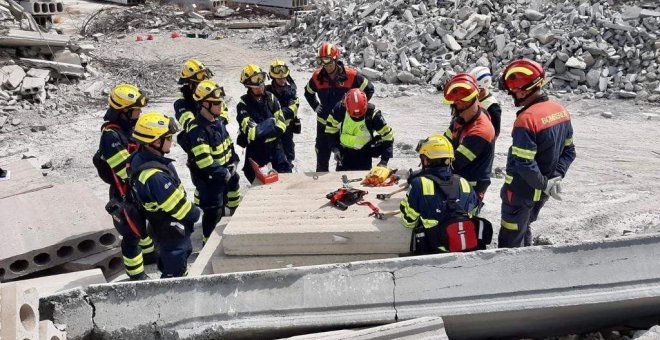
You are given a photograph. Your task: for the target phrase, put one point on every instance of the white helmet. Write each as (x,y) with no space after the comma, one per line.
(483,76)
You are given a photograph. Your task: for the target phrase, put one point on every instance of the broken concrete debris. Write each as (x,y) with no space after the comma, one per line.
(386,34)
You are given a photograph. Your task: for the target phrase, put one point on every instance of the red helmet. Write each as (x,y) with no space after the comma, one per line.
(461,88)
(522,74)
(328,50)
(355,102)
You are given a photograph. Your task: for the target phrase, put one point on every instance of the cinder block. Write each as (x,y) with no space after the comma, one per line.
(49,331)
(109,261)
(32,85)
(203,264)
(48,285)
(20,312)
(43,7)
(303,222)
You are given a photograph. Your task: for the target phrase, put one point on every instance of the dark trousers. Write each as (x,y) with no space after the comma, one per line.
(517,217)
(211,198)
(322,149)
(264,153)
(174,253)
(353,160)
(288,145)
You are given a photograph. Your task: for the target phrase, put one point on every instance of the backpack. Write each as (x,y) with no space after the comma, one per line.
(102,168)
(460,233)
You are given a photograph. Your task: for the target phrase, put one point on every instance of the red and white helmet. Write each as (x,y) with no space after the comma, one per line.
(355,102)
(522,74)
(461,88)
(483,76)
(328,50)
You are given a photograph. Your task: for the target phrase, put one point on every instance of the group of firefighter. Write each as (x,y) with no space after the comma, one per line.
(449,187)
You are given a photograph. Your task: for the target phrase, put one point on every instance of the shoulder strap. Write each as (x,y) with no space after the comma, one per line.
(450,188)
(116,128)
(149,165)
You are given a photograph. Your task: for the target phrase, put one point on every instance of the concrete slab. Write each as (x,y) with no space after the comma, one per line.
(13,76)
(48,331)
(61,68)
(425,328)
(39,73)
(49,285)
(52,226)
(24,178)
(15,38)
(203,264)
(109,261)
(20,312)
(530,292)
(299,220)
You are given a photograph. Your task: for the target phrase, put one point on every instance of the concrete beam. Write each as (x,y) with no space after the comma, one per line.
(310,225)
(52,226)
(203,264)
(16,38)
(109,261)
(49,285)
(426,328)
(61,68)
(528,292)
(20,312)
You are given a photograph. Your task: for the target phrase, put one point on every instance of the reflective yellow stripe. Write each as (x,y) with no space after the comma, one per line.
(204,239)
(234,194)
(122,173)
(183,211)
(280,124)
(364,84)
(118,158)
(252,134)
(309,89)
(508,179)
(537,195)
(386,133)
(320,120)
(568,141)
(145,175)
(354,135)
(204,162)
(135,271)
(148,250)
(331,130)
(174,199)
(145,241)
(409,215)
(196,197)
(465,186)
(448,134)
(200,149)
(523,153)
(522,70)
(509,225)
(466,152)
(427,187)
(429,223)
(130,262)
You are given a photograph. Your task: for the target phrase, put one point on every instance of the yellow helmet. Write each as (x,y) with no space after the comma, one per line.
(278,69)
(435,147)
(252,75)
(152,126)
(209,91)
(194,70)
(126,96)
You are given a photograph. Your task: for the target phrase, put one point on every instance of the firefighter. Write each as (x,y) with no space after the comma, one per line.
(350,129)
(540,156)
(125,105)
(262,123)
(158,189)
(488,101)
(284,89)
(471,132)
(330,82)
(427,205)
(192,73)
(214,162)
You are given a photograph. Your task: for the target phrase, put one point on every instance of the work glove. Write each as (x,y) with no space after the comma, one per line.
(319,110)
(337,156)
(553,188)
(251,131)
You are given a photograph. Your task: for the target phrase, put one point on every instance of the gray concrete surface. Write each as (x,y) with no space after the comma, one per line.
(203,263)
(530,292)
(52,226)
(49,285)
(109,261)
(304,223)
(24,178)
(48,331)
(425,328)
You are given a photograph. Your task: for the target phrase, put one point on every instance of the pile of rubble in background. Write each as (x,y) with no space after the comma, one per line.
(595,48)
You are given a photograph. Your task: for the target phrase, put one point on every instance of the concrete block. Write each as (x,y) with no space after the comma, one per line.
(48,331)
(69,222)
(67,57)
(203,264)
(109,261)
(49,285)
(501,293)
(24,178)
(43,7)
(310,225)
(39,73)
(31,85)
(371,74)
(61,68)
(20,312)
(14,75)
(426,328)
(451,43)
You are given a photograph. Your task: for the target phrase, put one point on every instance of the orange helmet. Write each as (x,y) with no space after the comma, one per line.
(355,102)
(461,88)
(522,74)
(327,53)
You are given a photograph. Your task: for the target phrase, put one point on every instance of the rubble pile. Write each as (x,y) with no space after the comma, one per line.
(598,47)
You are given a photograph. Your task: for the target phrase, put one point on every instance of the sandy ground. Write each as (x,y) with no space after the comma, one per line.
(609,191)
